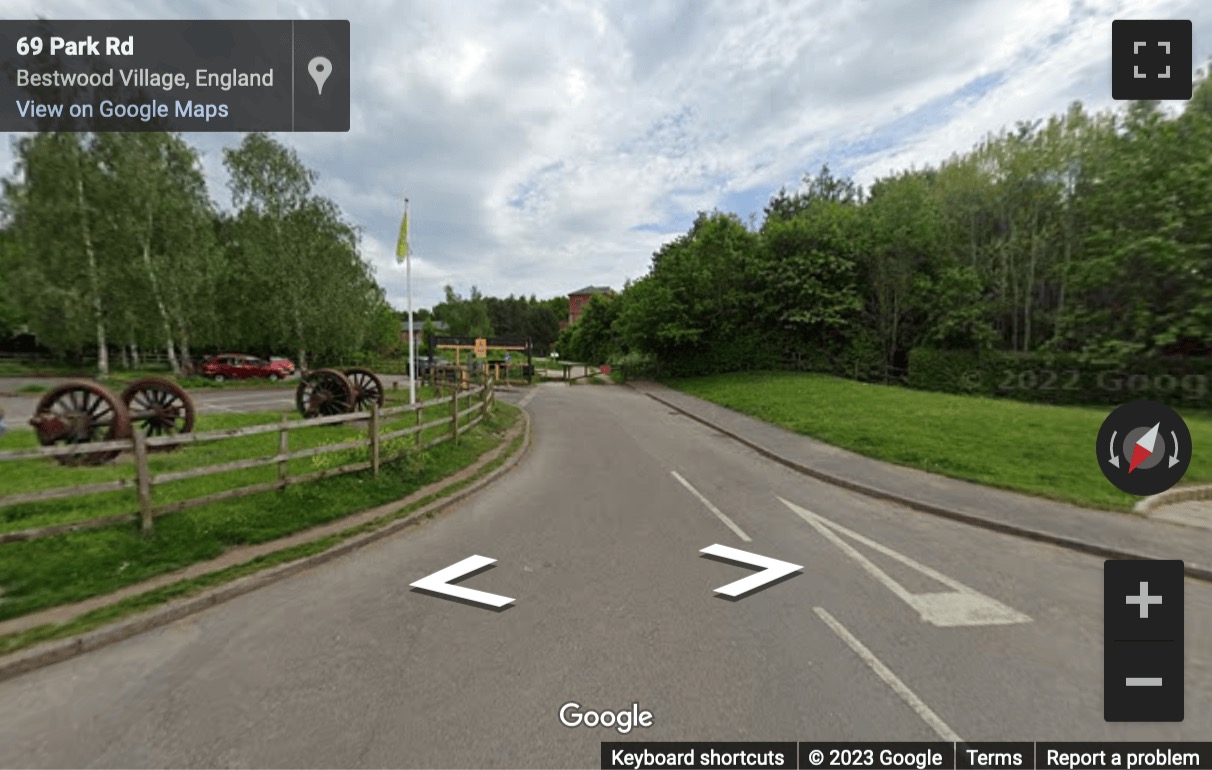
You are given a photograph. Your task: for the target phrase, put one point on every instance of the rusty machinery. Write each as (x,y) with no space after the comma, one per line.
(325,392)
(83,411)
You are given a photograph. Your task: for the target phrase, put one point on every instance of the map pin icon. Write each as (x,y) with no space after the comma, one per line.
(320,68)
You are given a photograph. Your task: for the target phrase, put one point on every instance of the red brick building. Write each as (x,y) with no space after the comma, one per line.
(577,300)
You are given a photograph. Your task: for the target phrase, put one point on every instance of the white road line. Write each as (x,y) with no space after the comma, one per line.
(526,399)
(892,680)
(719,514)
(960,607)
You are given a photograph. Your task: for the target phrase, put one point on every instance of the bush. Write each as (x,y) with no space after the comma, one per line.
(1061,379)
(733,353)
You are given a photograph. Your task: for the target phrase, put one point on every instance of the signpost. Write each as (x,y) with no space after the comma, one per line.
(481,346)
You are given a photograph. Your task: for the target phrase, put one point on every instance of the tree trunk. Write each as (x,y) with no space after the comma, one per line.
(187,366)
(1027,299)
(94,278)
(896,330)
(1060,293)
(160,307)
(134,355)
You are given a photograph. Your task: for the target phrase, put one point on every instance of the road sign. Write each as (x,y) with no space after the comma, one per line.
(481,347)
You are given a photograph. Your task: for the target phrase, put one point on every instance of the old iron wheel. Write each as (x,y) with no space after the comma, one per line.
(324,392)
(83,411)
(159,407)
(368,388)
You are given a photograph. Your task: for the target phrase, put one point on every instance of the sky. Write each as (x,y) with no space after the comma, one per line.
(546,145)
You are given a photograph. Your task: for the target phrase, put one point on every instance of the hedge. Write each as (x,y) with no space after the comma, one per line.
(1058,379)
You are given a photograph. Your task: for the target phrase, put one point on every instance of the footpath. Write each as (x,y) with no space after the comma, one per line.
(1102,533)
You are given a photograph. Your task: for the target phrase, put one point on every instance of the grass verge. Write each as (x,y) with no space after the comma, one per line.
(43,573)
(1041,450)
(184,588)
(42,473)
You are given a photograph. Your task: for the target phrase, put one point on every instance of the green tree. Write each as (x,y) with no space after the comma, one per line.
(61,277)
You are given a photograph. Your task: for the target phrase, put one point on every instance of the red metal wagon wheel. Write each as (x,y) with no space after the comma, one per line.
(80,412)
(324,392)
(159,407)
(368,388)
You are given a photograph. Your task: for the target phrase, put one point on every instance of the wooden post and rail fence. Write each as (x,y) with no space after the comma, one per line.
(462,404)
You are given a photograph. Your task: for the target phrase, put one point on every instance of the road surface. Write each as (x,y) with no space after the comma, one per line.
(900,626)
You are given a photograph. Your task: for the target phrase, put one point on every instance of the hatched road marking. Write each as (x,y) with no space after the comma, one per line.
(962,606)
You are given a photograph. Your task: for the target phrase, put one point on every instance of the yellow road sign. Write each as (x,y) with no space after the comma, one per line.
(481,348)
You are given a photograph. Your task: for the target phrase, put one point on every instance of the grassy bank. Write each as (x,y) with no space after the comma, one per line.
(191,586)
(43,573)
(1042,450)
(42,473)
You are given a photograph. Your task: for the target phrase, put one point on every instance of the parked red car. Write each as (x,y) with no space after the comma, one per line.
(286,363)
(237,366)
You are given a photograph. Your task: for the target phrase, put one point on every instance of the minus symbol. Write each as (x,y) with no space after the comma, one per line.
(1144,681)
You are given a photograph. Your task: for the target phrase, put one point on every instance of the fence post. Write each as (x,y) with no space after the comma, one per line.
(484,398)
(454,414)
(143,474)
(374,438)
(417,411)
(283,451)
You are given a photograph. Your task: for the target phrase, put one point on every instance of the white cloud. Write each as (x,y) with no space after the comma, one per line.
(545,146)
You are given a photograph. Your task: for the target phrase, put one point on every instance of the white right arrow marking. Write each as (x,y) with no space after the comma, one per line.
(1174,458)
(439,582)
(772,569)
(961,606)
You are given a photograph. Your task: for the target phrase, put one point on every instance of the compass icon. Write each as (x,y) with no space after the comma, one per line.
(1144,448)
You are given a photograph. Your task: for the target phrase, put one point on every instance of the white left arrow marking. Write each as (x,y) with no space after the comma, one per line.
(439,582)
(772,569)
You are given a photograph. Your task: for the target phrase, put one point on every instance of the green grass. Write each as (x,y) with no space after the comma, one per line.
(1041,450)
(40,369)
(44,473)
(37,574)
(119,380)
(92,620)
(32,388)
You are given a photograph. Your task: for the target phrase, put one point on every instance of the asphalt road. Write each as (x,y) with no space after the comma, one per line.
(901,626)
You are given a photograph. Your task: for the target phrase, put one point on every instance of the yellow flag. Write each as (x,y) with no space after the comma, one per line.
(402,243)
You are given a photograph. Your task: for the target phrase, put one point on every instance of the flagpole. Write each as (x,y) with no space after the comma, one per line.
(412,358)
